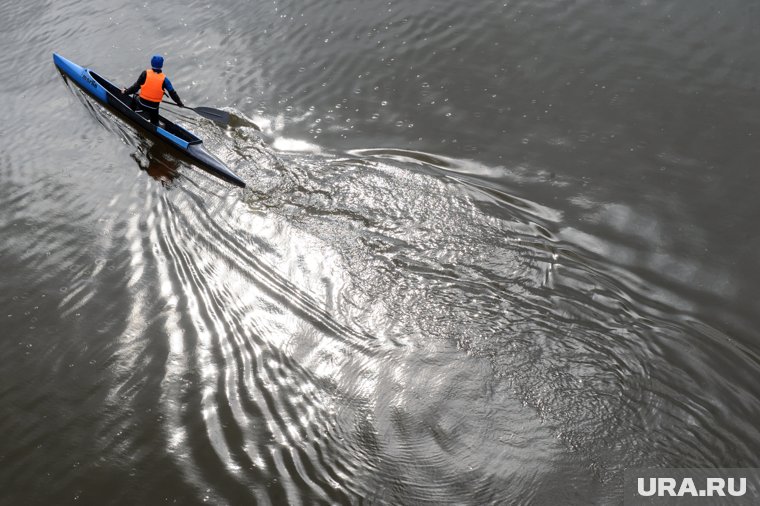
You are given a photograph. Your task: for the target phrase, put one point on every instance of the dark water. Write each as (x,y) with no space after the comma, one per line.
(490,252)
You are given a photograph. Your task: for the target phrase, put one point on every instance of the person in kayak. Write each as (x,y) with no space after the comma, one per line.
(152,83)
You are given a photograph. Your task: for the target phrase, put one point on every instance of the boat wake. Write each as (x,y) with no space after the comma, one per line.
(394,325)
(380,323)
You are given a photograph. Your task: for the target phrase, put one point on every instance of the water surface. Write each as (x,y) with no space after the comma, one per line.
(490,252)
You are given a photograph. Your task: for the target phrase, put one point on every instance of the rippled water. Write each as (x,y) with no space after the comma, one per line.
(490,252)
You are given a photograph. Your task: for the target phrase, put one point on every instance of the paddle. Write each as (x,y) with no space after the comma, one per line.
(222,117)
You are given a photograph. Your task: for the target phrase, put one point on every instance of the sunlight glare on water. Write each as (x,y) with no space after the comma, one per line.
(489,253)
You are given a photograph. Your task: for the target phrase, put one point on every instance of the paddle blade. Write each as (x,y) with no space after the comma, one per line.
(213,114)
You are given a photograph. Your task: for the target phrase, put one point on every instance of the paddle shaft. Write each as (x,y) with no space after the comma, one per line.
(217,115)
(208,112)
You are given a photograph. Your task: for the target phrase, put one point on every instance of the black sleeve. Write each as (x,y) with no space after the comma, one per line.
(140,81)
(176,98)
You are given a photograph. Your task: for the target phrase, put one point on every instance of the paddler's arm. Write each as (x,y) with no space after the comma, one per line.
(132,89)
(168,87)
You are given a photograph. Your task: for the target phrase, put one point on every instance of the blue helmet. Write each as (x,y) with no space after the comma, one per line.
(157,61)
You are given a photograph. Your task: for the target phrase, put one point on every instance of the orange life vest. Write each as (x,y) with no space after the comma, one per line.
(153,89)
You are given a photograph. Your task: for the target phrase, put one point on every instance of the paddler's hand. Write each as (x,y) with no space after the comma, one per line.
(123,91)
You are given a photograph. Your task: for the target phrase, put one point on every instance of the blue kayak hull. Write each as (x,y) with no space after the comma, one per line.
(172,134)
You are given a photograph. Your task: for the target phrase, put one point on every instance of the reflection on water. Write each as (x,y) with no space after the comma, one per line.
(490,254)
(158,164)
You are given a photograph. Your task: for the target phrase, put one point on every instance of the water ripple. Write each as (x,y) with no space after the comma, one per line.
(466,270)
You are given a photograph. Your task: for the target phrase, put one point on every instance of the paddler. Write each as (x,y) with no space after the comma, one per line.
(152,83)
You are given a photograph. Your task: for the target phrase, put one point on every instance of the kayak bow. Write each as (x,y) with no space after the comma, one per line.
(170,133)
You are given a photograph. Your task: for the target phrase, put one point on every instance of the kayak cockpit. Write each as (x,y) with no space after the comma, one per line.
(126,102)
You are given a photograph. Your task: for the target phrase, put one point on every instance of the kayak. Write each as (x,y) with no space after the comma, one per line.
(170,133)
